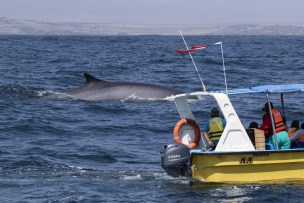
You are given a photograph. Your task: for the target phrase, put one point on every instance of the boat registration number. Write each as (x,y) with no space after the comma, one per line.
(246,160)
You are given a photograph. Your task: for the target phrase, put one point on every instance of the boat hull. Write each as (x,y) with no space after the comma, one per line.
(248,167)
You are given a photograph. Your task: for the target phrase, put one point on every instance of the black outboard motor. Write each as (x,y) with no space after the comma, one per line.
(175,159)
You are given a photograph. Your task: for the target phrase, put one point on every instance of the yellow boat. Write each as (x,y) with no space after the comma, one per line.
(236,158)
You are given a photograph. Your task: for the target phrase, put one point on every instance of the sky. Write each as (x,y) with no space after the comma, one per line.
(199,12)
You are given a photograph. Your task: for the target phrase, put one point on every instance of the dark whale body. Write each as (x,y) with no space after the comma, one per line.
(100,90)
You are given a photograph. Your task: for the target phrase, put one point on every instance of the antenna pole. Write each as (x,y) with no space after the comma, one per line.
(203,86)
(224,68)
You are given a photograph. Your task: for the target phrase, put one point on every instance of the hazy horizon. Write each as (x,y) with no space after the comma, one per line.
(157,12)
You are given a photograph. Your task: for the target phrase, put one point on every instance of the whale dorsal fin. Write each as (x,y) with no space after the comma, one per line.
(89,78)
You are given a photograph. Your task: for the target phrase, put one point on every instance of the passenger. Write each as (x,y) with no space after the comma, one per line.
(214,128)
(295,125)
(282,135)
(253,125)
(299,135)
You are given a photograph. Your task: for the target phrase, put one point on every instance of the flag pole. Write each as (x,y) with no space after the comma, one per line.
(224,68)
(203,86)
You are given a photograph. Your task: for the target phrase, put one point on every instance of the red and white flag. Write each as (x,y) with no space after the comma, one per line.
(193,48)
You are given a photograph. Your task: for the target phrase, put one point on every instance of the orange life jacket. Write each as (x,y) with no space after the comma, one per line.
(278,122)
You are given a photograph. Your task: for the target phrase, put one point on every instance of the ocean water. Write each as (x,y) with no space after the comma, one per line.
(56,149)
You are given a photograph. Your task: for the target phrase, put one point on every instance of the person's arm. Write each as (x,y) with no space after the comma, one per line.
(207,138)
(296,136)
(205,130)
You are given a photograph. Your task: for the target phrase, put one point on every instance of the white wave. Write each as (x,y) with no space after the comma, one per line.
(235,193)
(178,180)
(134,98)
(131,98)
(132,177)
(169,98)
(77,168)
(51,94)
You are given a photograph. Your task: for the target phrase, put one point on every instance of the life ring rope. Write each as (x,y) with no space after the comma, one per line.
(195,127)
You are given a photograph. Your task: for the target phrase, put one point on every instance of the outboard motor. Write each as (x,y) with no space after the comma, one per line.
(175,159)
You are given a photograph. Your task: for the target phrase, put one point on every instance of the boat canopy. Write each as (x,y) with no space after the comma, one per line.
(269,89)
(234,136)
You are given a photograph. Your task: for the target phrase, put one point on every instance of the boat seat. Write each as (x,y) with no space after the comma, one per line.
(257,138)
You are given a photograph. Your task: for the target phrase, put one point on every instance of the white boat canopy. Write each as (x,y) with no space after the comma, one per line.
(269,89)
(234,137)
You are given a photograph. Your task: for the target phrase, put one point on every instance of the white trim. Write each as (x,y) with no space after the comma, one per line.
(234,137)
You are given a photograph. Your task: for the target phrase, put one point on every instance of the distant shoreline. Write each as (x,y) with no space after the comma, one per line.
(37,28)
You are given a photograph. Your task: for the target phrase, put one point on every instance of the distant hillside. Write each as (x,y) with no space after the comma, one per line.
(31,27)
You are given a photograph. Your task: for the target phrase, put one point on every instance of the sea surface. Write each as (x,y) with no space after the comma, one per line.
(57,149)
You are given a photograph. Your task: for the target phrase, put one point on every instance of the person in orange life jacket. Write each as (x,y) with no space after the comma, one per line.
(299,135)
(295,125)
(214,128)
(282,135)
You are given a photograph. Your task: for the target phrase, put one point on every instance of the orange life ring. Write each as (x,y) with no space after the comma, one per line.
(193,124)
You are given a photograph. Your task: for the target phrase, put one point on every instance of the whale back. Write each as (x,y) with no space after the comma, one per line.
(95,89)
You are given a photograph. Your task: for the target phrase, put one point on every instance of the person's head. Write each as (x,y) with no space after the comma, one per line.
(215,112)
(266,107)
(302,126)
(295,124)
(253,125)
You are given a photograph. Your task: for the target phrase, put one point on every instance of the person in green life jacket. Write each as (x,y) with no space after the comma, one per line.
(214,128)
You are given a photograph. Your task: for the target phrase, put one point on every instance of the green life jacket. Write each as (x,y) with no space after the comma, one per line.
(215,128)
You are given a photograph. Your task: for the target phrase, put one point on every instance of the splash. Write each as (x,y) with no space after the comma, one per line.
(52,94)
(134,98)
(17,91)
